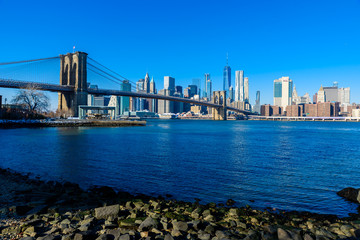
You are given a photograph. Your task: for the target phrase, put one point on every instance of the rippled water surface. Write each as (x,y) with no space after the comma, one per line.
(285,165)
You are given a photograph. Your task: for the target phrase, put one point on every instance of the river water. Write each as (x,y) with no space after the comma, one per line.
(284,165)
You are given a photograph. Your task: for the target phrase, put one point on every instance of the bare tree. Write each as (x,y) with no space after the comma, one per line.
(33,99)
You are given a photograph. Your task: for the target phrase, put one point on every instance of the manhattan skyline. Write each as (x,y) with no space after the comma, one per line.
(312,43)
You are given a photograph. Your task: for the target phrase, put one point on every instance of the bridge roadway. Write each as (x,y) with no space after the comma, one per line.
(8,83)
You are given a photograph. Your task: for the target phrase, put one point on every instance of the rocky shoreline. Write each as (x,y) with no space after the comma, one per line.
(33,209)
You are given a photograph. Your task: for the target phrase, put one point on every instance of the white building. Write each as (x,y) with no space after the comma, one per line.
(246,90)
(239,86)
(321,95)
(344,96)
(283,92)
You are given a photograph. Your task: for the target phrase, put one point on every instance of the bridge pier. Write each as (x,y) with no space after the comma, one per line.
(219,97)
(73,72)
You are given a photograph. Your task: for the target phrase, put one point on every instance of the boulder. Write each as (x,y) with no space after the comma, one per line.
(148,224)
(105,212)
(350,194)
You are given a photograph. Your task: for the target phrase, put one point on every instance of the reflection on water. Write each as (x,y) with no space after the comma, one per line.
(287,165)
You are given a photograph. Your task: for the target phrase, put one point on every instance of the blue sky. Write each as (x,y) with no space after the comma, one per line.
(313,42)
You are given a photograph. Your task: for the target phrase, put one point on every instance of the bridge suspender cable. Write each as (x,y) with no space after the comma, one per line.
(26,61)
(108,68)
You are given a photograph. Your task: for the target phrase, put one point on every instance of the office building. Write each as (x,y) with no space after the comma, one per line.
(239,86)
(169,84)
(246,90)
(231,93)
(257,102)
(344,96)
(147,83)
(227,76)
(209,89)
(179,89)
(197,83)
(152,102)
(115,102)
(207,78)
(321,97)
(125,101)
(165,106)
(283,92)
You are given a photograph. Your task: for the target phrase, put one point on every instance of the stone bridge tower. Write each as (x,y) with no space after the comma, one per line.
(73,72)
(219,97)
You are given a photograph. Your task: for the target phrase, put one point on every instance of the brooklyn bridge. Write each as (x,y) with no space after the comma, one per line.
(73,86)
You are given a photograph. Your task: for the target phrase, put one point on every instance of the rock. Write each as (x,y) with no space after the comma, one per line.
(203,236)
(283,235)
(105,192)
(350,194)
(27,238)
(323,232)
(148,224)
(168,237)
(105,237)
(105,212)
(175,233)
(30,231)
(210,218)
(308,237)
(125,237)
(230,202)
(87,235)
(181,226)
(114,232)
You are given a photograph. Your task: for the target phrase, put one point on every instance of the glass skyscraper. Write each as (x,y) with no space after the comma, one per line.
(227,75)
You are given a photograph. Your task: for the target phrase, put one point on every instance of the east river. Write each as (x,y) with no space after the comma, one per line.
(284,165)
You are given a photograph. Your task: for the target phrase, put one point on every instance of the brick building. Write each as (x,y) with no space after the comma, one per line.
(268,110)
(294,110)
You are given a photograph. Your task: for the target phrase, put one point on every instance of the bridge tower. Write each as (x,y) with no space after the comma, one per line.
(73,72)
(219,97)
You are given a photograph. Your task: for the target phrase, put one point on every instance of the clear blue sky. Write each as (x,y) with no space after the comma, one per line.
(313,42)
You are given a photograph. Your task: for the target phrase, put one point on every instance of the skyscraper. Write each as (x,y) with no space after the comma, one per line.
(231,93)
(125,101)
(207,77)
(344,96)
(147,83)
(169,84)
(246,90)
(197,83)
(283,92)
(321,97)
(209,89)
(239,86)
(257,102)
(227,76)
(140,102)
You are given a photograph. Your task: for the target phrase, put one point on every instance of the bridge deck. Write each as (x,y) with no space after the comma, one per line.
(8,83)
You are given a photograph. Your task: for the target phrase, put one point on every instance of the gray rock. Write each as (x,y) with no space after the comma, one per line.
(307,237)
(175,233)
(323,232)
(168,237)
(147,224)
(27,238)
(283,235)
(204,236)
(125,237)
(181,226)
(105,212)
(114,232)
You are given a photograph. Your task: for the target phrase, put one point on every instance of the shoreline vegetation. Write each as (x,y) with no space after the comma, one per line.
(69,123)
(34,209)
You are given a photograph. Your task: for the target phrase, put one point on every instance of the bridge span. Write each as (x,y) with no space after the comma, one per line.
(73,89)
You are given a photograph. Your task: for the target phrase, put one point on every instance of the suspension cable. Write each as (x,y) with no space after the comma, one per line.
(26,61)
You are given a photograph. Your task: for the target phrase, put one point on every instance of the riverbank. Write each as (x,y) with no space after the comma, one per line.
(41,210)
(68,123)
